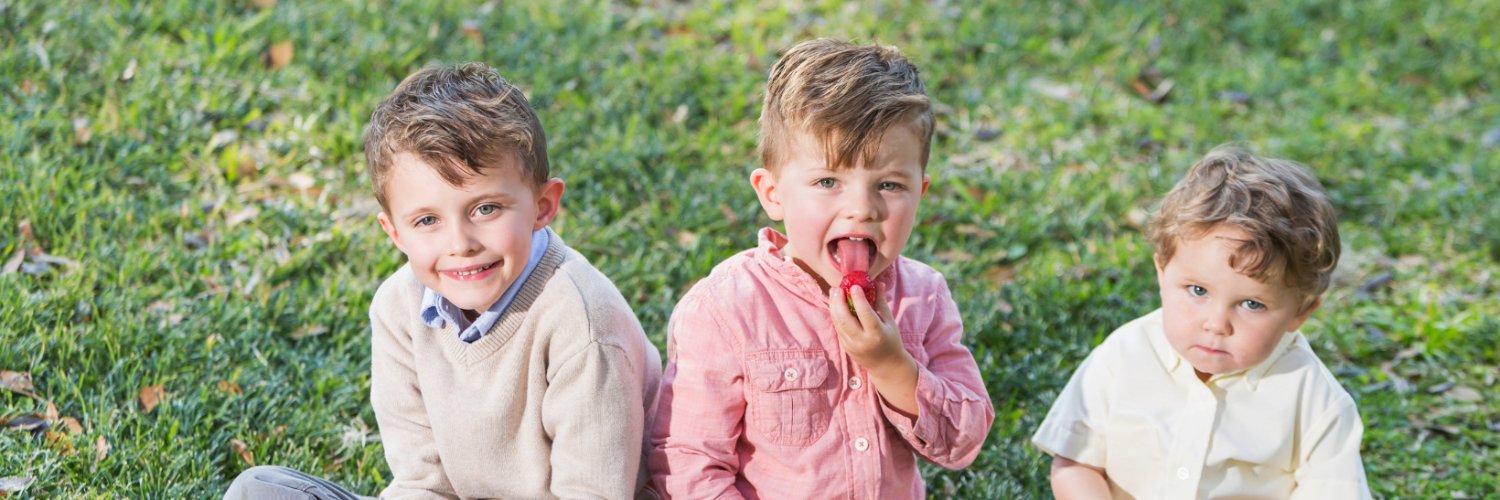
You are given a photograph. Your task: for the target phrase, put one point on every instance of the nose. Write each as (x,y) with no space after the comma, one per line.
(461,241)
(864,205)
(1216,322)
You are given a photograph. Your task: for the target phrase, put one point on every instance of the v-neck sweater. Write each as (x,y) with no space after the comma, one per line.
(551,402)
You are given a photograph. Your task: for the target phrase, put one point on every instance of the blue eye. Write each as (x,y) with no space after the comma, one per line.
(1253,305)
(1197,291)
(487,209)
(891,186)
(425,220)
(826,183)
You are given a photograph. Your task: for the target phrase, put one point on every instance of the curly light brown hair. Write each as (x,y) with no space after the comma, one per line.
(460,120)
(1293,231)
(846,97)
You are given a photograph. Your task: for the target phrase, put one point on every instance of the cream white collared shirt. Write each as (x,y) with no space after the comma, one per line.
(1283,428)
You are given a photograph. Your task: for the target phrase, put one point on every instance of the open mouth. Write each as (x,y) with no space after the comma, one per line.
(473,272)
(853,253)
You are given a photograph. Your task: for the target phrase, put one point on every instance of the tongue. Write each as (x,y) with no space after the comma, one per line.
(854,256)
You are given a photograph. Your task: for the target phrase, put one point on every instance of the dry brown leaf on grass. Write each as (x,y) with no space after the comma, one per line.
(72,425)
(81,131)
(14,262)
(228,387)
(60,442)
(151,396)
(129,72)
(14,484)
(243,451)
(101,449)
(471,32)
(18,382)
(279,54)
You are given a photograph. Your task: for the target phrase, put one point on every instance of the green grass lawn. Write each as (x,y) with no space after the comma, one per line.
(198,219)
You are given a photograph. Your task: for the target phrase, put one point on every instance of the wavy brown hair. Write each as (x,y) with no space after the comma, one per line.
(846,97)
(460,120)
(1293,231)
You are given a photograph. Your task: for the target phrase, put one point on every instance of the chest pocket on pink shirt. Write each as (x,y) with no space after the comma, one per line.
(790,400)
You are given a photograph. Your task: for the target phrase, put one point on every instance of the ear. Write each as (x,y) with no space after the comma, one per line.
(1156,259)
(1306,313)
(764,183)
(926,180)
(390,230)
(548,202)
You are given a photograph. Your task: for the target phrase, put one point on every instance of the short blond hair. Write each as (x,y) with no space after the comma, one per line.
(1293,230)
(460,120)
(846,97)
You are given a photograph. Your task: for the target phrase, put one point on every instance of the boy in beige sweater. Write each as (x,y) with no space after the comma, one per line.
(503,364)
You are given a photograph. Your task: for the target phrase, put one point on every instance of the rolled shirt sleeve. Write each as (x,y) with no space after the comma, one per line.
(954,413)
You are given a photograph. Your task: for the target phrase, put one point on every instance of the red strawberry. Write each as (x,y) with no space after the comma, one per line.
(862,279)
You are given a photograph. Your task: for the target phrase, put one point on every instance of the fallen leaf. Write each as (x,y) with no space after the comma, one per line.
(72,424)
(243,451)
(1464,394)
(229,387)
(81,131)
(31,423)
(471,31)
(59,441)
(14,262)
(301,181)
(129,72)
(242,215)
(1157,94)
(14,484)
(51,413)
(1000,275)
(280,54)
(28,240)
(101,449)
(17,382)
(1058,91)
(687,239)
(151,396)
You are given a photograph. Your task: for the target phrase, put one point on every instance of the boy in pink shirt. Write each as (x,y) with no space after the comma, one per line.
(780,383)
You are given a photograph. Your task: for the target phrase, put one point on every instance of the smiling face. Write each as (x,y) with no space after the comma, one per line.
(1218,319)
(468,243)
(831,214)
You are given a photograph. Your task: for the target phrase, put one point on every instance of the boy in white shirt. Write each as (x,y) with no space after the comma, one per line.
(1217,394)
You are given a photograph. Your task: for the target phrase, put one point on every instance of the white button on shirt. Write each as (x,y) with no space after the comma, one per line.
(790,375)
(854,383)
(1136,409)
(861,444)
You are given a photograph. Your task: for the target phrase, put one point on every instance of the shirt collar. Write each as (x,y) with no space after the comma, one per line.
(1172,360)
(436,311)
(768,250)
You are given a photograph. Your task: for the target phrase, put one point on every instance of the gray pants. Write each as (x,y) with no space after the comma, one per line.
(281,483)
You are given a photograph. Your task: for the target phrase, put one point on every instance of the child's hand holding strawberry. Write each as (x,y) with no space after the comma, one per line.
(869,334)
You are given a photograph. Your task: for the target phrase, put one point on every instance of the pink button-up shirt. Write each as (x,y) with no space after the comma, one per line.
(759,400)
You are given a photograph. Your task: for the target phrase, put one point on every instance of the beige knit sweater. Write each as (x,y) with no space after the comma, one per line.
(552,402)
